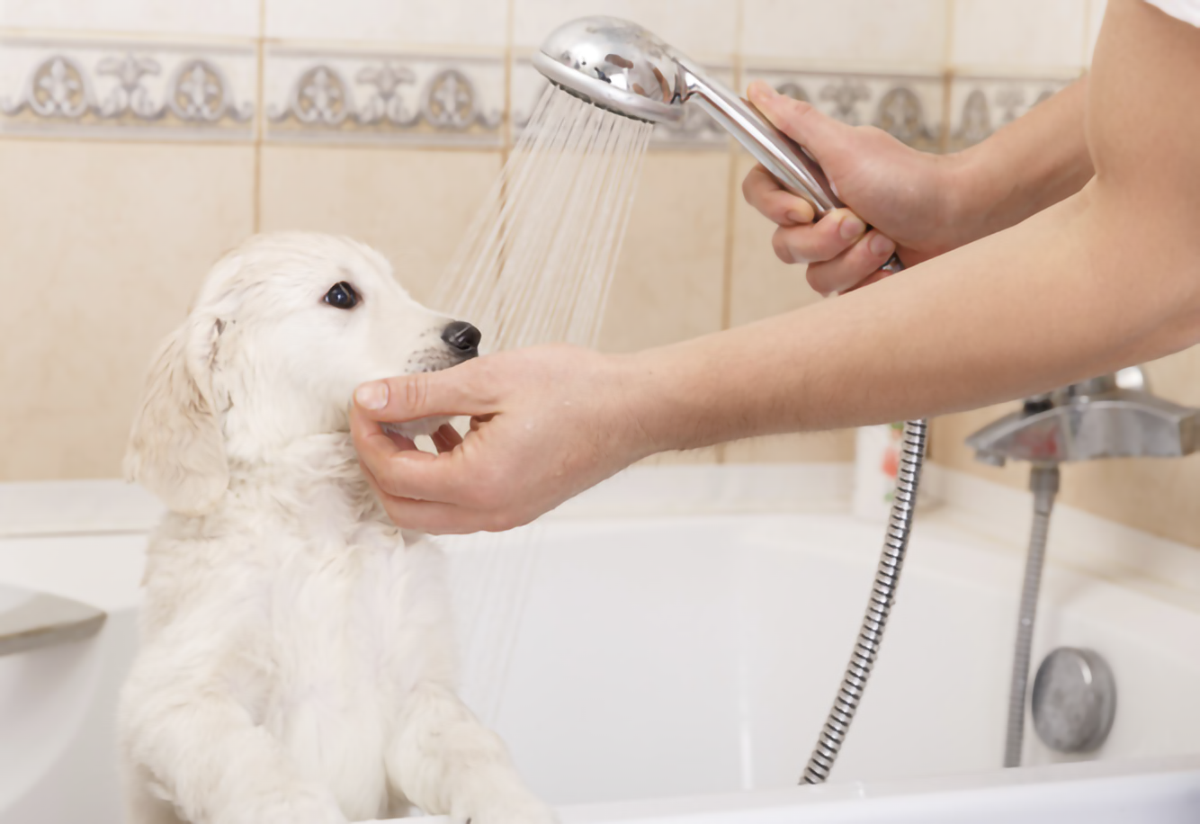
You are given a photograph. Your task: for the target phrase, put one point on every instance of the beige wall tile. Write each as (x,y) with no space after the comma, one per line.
(897,34)
(1159,496)
(707,455)
(668,283)
(763,286)
(802,447)
(1018,35)
(103,246)
(235,18)
(412,205)
(432,22)
(702,29)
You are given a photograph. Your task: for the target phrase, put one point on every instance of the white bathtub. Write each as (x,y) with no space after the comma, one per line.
(679,667)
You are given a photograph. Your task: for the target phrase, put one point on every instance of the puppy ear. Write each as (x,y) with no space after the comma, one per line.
(176,449)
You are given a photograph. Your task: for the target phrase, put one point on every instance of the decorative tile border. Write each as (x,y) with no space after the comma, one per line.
(138,89)
(981,105)
(908,107)
(383,97)
(124,89)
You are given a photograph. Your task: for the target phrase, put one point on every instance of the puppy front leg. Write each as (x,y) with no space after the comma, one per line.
(204,753)
(446,762)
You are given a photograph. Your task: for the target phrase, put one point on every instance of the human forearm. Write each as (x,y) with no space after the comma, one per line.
(1028,165)
(1059,298)
(920,205)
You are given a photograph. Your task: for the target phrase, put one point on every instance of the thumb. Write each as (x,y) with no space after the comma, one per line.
(819,134)
(451,392)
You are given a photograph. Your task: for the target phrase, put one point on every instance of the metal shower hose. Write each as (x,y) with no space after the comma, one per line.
(883,594)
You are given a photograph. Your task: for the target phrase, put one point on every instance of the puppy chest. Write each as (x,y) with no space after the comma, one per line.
(337,626)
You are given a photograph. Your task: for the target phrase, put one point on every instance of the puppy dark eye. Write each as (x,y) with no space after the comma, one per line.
(342,296)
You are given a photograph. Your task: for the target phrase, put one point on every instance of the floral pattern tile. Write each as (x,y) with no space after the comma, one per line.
(113,88)
(909,107)
(981,105)
(348,96)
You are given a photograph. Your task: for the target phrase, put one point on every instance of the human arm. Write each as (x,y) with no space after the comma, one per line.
(1108,277)
(919,204)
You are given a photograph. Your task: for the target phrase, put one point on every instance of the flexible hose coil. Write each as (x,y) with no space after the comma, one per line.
(879,605)
(1043,481)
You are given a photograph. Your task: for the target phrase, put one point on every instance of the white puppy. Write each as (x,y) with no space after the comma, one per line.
(297,660)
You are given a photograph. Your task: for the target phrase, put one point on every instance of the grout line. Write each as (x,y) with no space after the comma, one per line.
(509,25)
(260,123)
(95,140)
(383,146)
(947,79)
(249,143)
(731,184)
(118,37)
(720,452)
(948,40)
(944,127)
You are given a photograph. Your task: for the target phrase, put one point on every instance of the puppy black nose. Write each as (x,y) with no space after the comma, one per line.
(462,336)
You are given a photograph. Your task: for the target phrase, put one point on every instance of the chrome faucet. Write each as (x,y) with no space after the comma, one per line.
(1112,416)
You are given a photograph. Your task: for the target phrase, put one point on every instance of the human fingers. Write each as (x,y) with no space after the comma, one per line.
(824,240)
(446,438)
(854,266)
(460,390)
(825,138)
(763,192)
(408,473)
(434,517)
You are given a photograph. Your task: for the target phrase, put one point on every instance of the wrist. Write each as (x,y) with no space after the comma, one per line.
(644,388)
(966,199)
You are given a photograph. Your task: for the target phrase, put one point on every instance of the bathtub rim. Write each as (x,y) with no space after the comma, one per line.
(993,511)
(855,801)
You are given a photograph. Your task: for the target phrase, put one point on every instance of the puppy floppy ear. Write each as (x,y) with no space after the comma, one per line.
(176,449)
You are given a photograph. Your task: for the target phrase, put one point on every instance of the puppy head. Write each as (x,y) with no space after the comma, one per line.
(282,331)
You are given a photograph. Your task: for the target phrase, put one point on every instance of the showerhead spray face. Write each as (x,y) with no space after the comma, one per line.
(619,66)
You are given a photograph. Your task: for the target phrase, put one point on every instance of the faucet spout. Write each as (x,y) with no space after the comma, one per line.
(1090,420)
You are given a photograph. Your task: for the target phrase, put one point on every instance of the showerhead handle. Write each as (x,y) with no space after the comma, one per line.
(785,159)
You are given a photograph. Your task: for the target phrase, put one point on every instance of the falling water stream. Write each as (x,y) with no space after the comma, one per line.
(536,267)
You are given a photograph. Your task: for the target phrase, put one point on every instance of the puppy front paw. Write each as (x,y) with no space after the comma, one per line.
(514,809)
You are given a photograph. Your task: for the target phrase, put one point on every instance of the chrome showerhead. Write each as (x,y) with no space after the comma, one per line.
(620,66)
(617,65)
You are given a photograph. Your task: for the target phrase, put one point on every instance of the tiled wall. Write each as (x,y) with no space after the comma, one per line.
(140,139)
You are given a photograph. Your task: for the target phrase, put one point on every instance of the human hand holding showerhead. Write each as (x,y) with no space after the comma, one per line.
(904,194)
